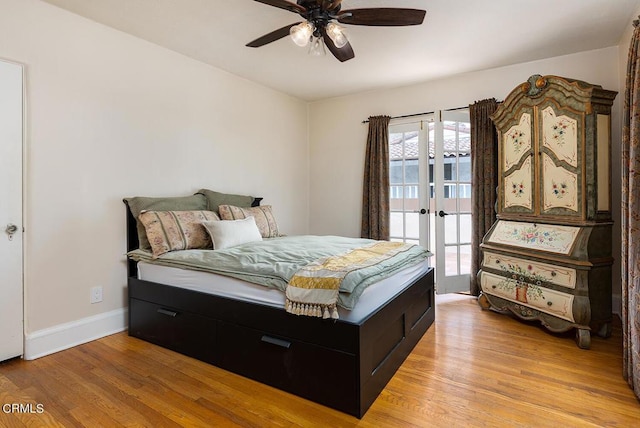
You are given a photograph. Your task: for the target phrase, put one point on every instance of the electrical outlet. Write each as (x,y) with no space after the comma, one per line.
(96,294)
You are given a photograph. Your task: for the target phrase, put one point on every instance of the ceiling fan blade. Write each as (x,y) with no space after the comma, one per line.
(272,36)
(383,17)
(343,54)
(286,5)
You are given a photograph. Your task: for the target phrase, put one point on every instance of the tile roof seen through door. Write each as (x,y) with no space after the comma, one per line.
(463,147)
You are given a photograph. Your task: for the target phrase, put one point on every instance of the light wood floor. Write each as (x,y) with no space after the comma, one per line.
(472,368)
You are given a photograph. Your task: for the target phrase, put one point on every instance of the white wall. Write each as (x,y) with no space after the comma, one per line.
(337,136)
(110,116)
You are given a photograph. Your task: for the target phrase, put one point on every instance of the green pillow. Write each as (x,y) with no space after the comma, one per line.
(215,199)
(138,204)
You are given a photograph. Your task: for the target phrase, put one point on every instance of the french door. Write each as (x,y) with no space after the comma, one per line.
(409,200)
(449,148)
(430,194)
(11,306)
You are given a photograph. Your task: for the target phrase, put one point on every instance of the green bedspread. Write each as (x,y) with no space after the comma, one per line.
(273,262)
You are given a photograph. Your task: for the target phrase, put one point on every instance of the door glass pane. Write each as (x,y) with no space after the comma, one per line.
(412,225)
(395,171)
(451,260)
(411,168)
(451,229)
(465,228)
(396,227)
(411,201)
(465,259)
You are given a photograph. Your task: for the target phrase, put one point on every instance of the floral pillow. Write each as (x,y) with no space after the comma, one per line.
(139,204)
(263,215)
(176,230)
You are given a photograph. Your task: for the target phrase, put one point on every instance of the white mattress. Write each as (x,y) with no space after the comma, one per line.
(372,298)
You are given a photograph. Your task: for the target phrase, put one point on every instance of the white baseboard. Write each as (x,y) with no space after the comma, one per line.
(65,336)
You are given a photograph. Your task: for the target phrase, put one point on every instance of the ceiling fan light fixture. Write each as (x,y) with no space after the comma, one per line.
(301,33)
(337,34)
(316,48)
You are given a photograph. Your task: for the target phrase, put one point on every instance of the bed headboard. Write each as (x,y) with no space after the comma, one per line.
(132,240)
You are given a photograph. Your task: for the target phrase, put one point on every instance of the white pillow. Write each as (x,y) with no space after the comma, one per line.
(229,233)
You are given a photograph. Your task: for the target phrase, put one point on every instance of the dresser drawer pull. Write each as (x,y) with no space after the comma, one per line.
(497,261)
(553,273)
(167,312)
(494,286)
(275,341)
(549,303)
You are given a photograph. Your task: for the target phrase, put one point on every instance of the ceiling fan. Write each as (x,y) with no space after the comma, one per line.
(321,25)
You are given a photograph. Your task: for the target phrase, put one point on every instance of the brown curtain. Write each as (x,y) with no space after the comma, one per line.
(375,194)
(484,179)
(631,217)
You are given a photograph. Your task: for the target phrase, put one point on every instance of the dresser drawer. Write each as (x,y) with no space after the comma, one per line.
(543,299)
(559,275)
(540,237)
(314,372)
(181,331)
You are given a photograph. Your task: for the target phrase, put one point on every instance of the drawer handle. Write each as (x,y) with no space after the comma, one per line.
(494,286)
(553,273)
(549,303)
(497,261)
(167,312)
(274,341)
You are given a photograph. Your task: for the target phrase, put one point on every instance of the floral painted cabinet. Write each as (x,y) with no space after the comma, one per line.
(548,257)
(554,151)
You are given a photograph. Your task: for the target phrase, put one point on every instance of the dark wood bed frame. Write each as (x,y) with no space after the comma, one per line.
(339,364)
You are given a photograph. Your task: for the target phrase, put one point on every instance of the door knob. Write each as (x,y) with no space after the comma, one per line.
(10,230)
(442,213)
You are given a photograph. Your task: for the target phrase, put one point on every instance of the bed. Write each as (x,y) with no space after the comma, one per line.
(343,364)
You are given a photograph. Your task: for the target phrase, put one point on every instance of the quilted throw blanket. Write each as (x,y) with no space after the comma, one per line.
(313,290)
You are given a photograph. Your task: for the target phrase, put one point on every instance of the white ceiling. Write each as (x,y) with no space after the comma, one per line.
(457,36)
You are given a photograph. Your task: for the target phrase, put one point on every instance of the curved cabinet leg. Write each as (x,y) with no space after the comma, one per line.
(583,338)
(483,302)
(605,330)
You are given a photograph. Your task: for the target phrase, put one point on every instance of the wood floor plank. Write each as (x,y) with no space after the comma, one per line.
(473,368)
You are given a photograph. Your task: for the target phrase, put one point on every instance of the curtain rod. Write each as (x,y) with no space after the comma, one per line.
(421,114)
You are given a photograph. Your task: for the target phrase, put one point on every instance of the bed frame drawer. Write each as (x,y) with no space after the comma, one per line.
(320,374)
(181,331)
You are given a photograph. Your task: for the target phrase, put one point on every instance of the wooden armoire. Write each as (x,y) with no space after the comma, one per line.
(548,256)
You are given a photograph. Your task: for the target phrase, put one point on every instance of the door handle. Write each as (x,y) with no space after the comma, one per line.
(422,211)
(10,230)
(442,213)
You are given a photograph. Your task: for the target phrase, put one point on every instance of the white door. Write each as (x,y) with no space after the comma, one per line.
(449,149)
(11,306)
(408,176)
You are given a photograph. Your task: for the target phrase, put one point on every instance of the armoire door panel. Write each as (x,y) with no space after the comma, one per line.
(518,187)
(559,187)
(517,142)
(560,136)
